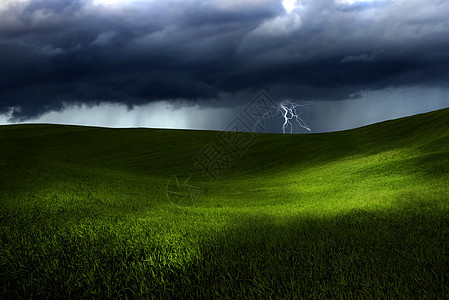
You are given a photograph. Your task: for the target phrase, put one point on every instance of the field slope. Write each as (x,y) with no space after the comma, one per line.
(96,212)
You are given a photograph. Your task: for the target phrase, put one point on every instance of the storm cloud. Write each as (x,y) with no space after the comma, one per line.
(57,53)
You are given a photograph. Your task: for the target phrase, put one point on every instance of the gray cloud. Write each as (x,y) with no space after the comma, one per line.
(214,52)
(105,38)
(358,58)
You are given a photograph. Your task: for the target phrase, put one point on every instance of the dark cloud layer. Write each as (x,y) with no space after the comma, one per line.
(80,51)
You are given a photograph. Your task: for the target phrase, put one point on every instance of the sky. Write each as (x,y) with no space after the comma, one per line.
(198,64)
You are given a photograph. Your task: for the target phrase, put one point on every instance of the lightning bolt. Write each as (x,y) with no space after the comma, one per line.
(290,112)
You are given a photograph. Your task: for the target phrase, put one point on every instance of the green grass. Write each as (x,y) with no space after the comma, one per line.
(361,213)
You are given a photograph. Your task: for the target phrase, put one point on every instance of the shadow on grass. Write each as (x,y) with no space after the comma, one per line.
(402,254)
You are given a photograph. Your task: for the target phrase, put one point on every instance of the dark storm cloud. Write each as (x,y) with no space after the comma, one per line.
(54,52)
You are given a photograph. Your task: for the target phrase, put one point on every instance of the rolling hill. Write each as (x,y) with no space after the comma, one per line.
(98,212)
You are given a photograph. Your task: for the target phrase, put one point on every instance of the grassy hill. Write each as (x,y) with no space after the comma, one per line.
(96,212)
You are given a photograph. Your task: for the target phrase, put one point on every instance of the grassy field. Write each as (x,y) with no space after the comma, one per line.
(363,213)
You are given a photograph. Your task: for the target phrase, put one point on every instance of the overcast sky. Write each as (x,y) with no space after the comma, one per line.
(196,64)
